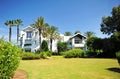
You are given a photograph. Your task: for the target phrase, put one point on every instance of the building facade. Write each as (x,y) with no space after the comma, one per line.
(29,40)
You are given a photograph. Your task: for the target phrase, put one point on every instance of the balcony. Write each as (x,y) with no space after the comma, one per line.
(28,41)
(78,45)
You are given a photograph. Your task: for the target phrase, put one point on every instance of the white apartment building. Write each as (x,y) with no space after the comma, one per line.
(29,40)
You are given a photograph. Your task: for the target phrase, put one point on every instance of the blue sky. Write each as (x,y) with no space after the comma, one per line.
(67,15)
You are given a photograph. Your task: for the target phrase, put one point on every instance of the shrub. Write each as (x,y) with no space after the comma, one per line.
(9,59)
(118,56)
(74,53)
(43,55)
(46,54)
(49,53)
(30,56)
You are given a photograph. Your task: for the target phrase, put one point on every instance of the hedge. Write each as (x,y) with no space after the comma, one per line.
(74,53)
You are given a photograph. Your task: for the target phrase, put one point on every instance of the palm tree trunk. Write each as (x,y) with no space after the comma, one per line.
(10,33)
(17,33)
(50,44)
(40,39)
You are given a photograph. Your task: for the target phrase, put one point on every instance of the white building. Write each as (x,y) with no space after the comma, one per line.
(29,40)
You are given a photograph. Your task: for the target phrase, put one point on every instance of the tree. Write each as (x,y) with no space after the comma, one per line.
(111,24)
(44,46)
(89,34)
(18,23)
(68,34)
(52,34)
(10,23)
(39,24)
(77,32)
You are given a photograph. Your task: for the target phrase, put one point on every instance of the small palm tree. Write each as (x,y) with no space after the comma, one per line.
(40,24)
(89,34)
(77,32)
(18,23)
(52,34)
(68,34)
(10,23)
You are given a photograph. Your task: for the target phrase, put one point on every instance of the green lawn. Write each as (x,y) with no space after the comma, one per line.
(76,68)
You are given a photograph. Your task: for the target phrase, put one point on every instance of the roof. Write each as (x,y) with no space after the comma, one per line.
(28,28)
(78,34)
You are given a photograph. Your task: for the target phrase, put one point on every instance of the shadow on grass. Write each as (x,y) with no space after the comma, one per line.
(114,69)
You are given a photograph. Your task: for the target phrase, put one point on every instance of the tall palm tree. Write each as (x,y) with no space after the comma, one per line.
(52,34)
(18,23)
(39,24)
(89,34)
(10,23)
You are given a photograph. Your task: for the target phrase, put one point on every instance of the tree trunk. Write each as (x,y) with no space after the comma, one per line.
(10,33)
(50,44)
(17,33)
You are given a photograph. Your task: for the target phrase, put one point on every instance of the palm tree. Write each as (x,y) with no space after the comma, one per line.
(39,24)
(89,34)
(68,34)
(10,23)
(52,34)
(77,32)
(18,23)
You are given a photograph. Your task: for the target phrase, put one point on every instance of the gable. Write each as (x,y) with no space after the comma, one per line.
(29,28)
(78,35)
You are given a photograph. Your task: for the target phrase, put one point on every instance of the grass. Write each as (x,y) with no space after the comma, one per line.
(58,67)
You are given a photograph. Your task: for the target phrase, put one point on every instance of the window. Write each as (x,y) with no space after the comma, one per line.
(29,34)
(77,40)
(27,44)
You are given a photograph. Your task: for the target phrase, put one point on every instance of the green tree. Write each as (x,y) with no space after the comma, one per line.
(10,23)
(89,34)
(61,46)
(44,46)
(18,23)
(94,45)
(111,24)
(68,34)
(40,25)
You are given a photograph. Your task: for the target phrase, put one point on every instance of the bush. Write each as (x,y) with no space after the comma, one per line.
(30,56)
(43,55)
(9,59)
(74,53)
(49,53)
(118,56)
